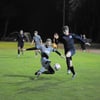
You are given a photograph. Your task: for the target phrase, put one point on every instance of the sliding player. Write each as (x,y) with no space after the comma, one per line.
(45,62)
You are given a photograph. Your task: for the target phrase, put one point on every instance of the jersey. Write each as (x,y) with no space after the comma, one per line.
(68,41)
(56,40)
(37,39)
(46,50)
(20,39)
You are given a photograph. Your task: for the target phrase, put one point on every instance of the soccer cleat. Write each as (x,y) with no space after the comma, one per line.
(68,71)
(18,55)
(38,74)
(73,76)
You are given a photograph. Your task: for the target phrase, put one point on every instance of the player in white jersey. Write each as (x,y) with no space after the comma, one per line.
(37,40)
(45,62)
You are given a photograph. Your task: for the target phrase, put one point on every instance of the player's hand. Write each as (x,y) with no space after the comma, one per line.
(87,43)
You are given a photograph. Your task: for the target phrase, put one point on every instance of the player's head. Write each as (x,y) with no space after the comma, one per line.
(35,33)
(48,42)
(56,35)
(21,32)
(65,30)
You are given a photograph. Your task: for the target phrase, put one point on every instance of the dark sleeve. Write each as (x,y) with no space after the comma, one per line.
(78,38)
(61,38)
(57,52)
(17,36)
(24,36)
(34,48)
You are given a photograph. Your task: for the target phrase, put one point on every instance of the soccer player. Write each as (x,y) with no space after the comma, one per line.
(83,46)
(45,49)
(20,39)
(68,42)
(37,40)
(55,40)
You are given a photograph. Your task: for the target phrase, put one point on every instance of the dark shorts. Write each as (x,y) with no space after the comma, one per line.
(21,45)
(72,51)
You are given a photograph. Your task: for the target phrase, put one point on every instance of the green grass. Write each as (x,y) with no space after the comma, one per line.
(17,76)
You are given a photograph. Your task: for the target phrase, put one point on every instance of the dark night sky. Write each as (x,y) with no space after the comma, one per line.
(46,16)
(31,15)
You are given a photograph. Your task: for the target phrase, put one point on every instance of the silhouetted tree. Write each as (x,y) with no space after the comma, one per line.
(82,16)
(7,12)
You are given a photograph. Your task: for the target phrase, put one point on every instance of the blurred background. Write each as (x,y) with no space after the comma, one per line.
(48,17)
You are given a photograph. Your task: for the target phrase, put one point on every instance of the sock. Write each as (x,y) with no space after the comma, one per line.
(72,70)
(18,52)
(68,63)
(22,51)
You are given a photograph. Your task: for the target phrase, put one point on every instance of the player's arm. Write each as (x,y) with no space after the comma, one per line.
(32,42)
(33,48)
(59,53)
(80,39)
(41,41)
(24,38)
(17,36)
(53,40)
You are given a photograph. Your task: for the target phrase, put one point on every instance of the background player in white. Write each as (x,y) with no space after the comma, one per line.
(37,40)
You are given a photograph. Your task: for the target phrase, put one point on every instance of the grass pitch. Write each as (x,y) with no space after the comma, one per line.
(17,76)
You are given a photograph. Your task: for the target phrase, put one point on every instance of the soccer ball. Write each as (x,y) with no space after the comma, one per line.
(57,66)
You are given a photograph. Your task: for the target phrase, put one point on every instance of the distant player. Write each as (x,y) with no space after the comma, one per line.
(45,51)
(55,40)
(68,42)
(37,40)
(20,39)
(83,46)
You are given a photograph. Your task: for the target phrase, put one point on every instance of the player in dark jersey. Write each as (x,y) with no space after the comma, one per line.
(68,42)
(83,46)
(20,39)
(45,62)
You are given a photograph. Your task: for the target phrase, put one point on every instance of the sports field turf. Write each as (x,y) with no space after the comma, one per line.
(17,76)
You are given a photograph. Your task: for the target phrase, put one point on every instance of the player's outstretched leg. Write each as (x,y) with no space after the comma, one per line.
(49,71)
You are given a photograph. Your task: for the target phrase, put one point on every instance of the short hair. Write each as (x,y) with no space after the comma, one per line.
(48,40)
(36,31)
(65,28)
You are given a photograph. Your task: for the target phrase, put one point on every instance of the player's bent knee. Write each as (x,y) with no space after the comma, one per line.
(71,63)
(68,54)
(53,72)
